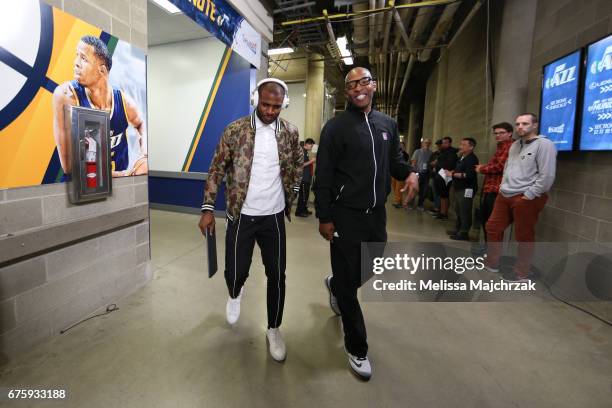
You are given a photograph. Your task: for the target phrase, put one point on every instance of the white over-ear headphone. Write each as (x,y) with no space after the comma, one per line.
(255,93)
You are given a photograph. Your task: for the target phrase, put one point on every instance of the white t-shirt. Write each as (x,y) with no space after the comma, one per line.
(265,195)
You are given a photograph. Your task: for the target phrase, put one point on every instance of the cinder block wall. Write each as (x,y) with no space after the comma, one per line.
(126,19)
(580,205)
(466,105)
(41,294)
(44,292)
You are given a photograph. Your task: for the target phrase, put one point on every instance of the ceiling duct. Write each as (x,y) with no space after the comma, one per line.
(404,15)
(440,30)
(360,31)
(372,21)
(420,23)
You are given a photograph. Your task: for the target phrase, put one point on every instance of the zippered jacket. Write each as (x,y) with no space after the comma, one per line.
(357,155)
(233,159)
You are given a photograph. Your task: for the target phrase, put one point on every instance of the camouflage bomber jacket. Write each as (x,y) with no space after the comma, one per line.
(234,157)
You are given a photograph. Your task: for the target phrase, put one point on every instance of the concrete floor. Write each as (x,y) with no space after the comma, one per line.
(169,344)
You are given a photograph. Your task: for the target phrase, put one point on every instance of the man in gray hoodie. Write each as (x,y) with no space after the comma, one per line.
(528,175)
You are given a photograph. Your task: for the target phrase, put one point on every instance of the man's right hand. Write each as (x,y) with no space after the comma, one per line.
(207,221)
(326,230)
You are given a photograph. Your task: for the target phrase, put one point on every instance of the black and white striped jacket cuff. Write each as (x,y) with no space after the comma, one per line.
(207,207)
(296,188)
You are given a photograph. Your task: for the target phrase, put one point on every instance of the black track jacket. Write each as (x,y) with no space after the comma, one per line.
(357,156)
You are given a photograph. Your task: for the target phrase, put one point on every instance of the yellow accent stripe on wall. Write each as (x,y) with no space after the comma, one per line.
(207,108)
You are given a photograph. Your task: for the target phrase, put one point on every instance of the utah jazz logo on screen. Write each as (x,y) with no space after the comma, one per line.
(604,64)
(561,76)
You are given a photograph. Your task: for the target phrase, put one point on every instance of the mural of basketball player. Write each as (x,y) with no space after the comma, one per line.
(91,88)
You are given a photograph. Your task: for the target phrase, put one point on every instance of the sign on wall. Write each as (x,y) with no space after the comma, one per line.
(49,60)
(221,20)
(596,129)
(559,100)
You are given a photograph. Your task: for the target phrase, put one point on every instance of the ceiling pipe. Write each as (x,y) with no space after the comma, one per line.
(440,30)
(395,46)
(380,69)
(408,42)
(386,31)
(344,16)
(392,58)
(332,46)
(420,23)
(334,59)
(380,19)
(404,16)
(388,64)
(409,66)
(402,19)
(467,20)
(330,31)
(296,7)
(397,70)
(372,21)
(360,31)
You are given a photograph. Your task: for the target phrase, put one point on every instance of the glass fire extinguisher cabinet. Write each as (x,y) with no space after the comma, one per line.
(90,154)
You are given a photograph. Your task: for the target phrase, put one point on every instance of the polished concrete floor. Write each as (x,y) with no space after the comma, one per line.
(169,344)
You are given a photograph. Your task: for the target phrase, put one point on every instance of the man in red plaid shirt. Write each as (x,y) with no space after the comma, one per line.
(494,170)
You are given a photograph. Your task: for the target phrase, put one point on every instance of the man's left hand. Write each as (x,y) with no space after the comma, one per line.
(411,185)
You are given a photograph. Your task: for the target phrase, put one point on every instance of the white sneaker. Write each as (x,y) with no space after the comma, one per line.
(277,348)
(232,308)
(360,366)
(333,302)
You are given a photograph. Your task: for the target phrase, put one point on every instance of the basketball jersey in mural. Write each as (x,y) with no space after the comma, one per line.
(118,125)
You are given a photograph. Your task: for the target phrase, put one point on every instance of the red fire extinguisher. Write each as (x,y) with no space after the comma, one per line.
(91,163)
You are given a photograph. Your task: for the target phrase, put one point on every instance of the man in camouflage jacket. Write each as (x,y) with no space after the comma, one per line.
(234,157)
(262,161)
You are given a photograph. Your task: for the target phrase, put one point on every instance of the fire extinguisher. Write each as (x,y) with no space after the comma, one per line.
(90,161)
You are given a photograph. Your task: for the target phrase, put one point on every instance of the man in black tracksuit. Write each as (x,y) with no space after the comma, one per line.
(358,153)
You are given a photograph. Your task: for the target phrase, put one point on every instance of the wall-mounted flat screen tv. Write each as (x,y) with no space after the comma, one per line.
(559,100)
(596,127)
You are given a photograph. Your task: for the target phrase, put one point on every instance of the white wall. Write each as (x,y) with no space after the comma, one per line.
(297,107)
(179,78)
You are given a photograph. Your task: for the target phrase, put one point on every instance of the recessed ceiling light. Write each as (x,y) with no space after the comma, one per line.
(278,51)
(346,54)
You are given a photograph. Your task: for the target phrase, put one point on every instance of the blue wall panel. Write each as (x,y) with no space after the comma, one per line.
(182,192)
(231,103)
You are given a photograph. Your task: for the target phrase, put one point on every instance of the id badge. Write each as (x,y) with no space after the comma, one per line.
(469,193)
